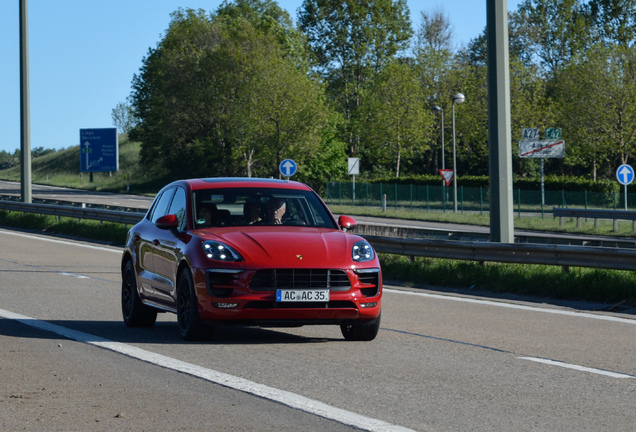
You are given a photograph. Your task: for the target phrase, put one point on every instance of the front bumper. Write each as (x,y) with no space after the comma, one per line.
(249,296)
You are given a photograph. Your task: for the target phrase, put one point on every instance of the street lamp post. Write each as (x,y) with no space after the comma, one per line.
(457,99)
(440,110)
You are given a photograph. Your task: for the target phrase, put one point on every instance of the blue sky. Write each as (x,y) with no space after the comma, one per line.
(83,55)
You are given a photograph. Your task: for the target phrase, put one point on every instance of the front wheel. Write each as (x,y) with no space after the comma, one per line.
(190,325)
(135,313)
(366,331)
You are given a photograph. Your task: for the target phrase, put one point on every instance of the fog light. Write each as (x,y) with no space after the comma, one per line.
(368,305)
(225,305)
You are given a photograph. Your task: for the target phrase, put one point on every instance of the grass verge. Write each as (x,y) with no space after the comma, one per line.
(534,223)
(112,233)
(596,285)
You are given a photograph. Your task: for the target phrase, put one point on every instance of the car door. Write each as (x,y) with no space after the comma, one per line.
(167,247)
(146,247)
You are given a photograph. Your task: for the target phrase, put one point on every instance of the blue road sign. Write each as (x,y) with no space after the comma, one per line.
(625,174)
(288,167)
(99,150)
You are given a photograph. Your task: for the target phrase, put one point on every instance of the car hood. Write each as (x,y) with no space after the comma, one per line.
(290,247)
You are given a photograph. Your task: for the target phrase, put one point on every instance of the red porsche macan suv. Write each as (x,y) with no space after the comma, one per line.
(248,251)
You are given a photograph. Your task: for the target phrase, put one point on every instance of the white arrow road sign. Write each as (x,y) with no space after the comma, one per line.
(625,174)
(288,167)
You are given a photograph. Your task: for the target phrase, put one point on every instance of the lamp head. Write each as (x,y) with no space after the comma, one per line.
(458,98)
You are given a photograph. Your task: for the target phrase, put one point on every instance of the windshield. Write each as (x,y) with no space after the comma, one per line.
(259,206)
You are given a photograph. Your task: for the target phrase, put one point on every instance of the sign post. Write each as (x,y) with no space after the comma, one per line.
(353,168)
(625,175)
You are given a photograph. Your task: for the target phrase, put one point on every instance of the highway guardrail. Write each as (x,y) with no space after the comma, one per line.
(474,250)
(518,253)
(579,214)
(128,218)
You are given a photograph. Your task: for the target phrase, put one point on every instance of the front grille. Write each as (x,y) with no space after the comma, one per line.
(273,279)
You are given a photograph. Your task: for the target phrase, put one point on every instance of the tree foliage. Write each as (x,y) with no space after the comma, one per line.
(236,91)
(352,42)
(221,95)
(394,121)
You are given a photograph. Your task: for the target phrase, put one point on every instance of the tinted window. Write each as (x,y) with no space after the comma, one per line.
(257,206)
(178,207)
(161,205)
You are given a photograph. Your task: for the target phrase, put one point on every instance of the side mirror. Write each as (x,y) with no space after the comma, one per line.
(347,222)
(167,222)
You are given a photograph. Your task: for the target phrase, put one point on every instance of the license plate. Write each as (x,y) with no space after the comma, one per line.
(296,295)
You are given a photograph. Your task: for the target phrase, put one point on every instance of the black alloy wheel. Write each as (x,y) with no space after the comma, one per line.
(363,332)
(190,325)
(135,313)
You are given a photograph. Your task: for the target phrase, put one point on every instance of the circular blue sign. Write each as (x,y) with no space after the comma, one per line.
(288,167)
(625,174)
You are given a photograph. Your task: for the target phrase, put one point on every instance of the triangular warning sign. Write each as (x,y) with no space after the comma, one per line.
(447,175)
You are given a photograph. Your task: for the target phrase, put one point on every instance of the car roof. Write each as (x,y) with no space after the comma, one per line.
(235,182)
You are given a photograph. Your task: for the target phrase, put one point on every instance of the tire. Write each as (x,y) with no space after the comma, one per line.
(135,313)
(365,331)
(190,325)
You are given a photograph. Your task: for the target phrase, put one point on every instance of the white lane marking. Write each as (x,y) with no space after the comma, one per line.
(393,291)
(74,275)
(435,296)
(68,243)
(577,367)
(517,306)
(283,397)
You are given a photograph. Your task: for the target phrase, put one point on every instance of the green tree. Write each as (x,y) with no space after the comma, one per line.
(598,108)
(123,117)
(615,20)
(223,96)
(352,42)
(394,117)
(434,65)
(552,31)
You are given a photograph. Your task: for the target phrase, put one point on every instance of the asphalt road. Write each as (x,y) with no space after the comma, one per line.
(55,193)
(442,361)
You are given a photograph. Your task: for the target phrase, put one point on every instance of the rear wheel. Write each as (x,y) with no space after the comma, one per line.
(190,325)
(365,331)
(135,313)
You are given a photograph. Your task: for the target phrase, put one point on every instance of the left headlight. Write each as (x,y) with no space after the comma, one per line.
(220,251)
(362,251)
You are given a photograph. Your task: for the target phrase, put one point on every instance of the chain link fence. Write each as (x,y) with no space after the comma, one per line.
(469,199)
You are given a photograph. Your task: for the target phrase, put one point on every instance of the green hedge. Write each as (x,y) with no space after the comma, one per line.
(551,183)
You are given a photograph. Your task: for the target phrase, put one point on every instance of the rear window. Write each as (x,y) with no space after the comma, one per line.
(259,206)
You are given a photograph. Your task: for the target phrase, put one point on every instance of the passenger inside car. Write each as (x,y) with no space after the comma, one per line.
(252,212)
(207,215)
(275,210)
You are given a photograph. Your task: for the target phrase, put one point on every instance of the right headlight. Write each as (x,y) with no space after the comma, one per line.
(362,251)
(218,251)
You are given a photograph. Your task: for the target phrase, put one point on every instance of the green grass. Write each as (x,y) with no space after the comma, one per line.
(113,233)
(62,169)
(534,223)
(597,285)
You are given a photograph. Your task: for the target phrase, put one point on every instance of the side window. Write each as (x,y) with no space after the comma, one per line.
(161,208)
(178,207)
